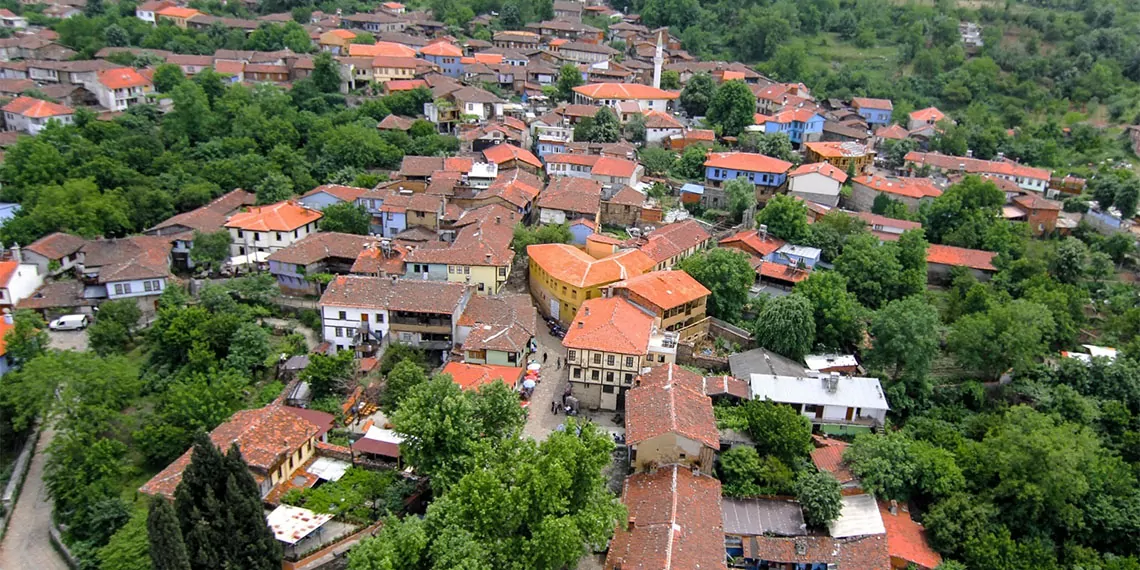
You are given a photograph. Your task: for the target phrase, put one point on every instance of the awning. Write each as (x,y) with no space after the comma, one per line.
(292,524)
(255,257)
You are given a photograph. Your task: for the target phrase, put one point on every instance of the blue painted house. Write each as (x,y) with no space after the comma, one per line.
(581,229)
(446,55)
(326,195)
(801,125)
(874,111)
(765,172)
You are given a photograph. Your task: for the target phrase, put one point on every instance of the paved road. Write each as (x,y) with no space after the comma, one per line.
(26,544)
(68,340)
(553,381)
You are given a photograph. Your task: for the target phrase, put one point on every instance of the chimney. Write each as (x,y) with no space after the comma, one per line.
(894,508)
(632,522)
(17,253)
(587,310)
(498,220)
(580,323)
(763,231)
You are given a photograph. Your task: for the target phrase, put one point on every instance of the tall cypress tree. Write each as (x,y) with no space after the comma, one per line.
(252,543)
(167,550)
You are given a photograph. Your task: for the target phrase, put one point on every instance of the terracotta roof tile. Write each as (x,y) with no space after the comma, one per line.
(665,289)
(475,376)
(1035,202)
(824,168)
(837,149)
(36,108)
(485,239)
(676,523)
(828,456)
(659,407)
(265,436)
(122,78)
(55,295)
(572,194)
(927,114)
(871,103)
(574,267)
(339,191)
(503,153)
(864,553)
(610,325)
(961,257)
(624,91)
(747,161)
(627,196)
(978,166)
(211,217)
(57,245)
(906,539)
(372,260)
(499,322)
(893,132)
(674,239)
(411,295)
(282,216)
(916,188)
(611,166)
(750,241)
(321,246)
(136,257)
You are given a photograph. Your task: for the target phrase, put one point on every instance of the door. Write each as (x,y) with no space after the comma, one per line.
(850,414)
(609,398)
(819,412)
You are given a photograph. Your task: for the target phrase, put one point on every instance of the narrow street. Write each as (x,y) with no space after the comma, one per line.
(553,382)
(26,544)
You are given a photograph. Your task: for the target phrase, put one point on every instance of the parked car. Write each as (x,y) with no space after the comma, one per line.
(69,323)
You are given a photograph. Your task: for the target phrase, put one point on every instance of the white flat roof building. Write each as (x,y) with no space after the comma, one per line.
(826,398)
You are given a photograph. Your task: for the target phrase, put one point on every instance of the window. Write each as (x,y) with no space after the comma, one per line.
(571,355)
(661,358)
(595,375)
(577,373)
(628,378)
(629,362)
(610,360)
(810,408)
(118,288)
(342,315)
(279,238)
(610,377)
(467,270)
(241,234)
(597,358)
(339,332)
(294,234)
(608,389)
(364,317)
(379,317)
(502,272)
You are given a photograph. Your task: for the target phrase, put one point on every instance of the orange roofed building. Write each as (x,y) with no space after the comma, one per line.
(266,229)
(941,258)
(274,442)
(562,276)
(911,192)
(670,420)
(677,301)
(120,87)
(607,344)
(31,115)
(610,94)
(475,376)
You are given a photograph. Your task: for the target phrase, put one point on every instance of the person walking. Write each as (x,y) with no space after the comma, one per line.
(544,356)
(559,361)
(554,407)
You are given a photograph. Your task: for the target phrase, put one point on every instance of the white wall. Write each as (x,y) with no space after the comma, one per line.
(135,288)
(266,241)
(331,320)
(24,281)
(549,216)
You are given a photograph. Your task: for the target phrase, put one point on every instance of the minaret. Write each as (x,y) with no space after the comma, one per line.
(658,60)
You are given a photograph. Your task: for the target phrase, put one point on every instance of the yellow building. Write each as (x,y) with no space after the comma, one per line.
(562,276)
(386,68)
(481,254)
(336,41)
(841,155)
(176,15)
(676,300)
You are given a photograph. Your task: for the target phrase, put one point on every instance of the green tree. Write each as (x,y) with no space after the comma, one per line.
(727,274)
(905,335)
(328,375)
(167,549)
(776,145)
(569,77)
(741,196)
(166,77)
(275,187)
(837,313)
(786,326)
(786,218)
(127,549)
(875,271)
(210,250)
(778,430)
(525,236)
(894,466)
(345,217)
(399,382)
(691,165)
(325,75)
(249,348)
(732,107)
(656,160)
(114,330)
(745,474)
(605,129)
(671,80)
(830,232)
(697,94)
(818,495)
(28,337)
(1005,336)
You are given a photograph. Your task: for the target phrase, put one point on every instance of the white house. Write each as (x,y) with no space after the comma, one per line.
(608,170)
(266,229)
(146,10)
(17,281)
(10,20)
(354,311)
(131,267)
(610,94)
(837,404)
(31,115)
(119,88)
(819,182)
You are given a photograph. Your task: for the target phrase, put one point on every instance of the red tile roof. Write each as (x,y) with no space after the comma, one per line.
(211,217)
(837,149)
(610,166)
(961,257)
(906,539)
(442,49)
(779,272)
(395,85)
(381,49)
(927,114)
(282,216)
(574,267)
(665,289)
(660,407)
(828,456)
(485,239)
(572,194)
(750,241)
(801,115)
(674,239)
(265,436)
(659,120)
(1035,202)
(624,91)
(323,420)
(57,245)
(505,323)
(610,325)
(475,376)
(341,192)
(747,161)
(870,103)
(411,295)
(122,78)
(978,166)
(676,523)
(916,188)
(824,168)
(36,108)
(504,152)
(864,553)
(894,132)
(321,246)
(177,12)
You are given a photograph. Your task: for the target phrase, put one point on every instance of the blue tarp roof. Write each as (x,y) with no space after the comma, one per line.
(693,188)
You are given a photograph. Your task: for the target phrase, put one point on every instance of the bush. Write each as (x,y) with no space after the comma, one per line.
(310,318)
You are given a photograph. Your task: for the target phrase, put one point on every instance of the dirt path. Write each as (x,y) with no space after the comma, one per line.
(26,544)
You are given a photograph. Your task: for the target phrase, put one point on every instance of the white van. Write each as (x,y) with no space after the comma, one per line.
(69,323)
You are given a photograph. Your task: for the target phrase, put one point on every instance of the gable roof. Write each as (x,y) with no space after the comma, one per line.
(442,49)
(36,108)
(411,295)
(837,149)
(894,132)
(56,245)
(572,194)
(627,195)
(475,376)
(320,246)
(824,168)
(265,436)
(211,217)
(136,257)
(659,406)
(675,517)
(610,325)
(827,455)
(282,216)
(747,161)
(665,289)
(916,188)
(977,165)
(871,103)
(573,266)
(927,114)
(673,239)
(121,78)
(485,239)
(499,322)
(338,191)
(906,539)
(624,91)
(1035,202)
(961,257)
(505,152)
(617,167)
